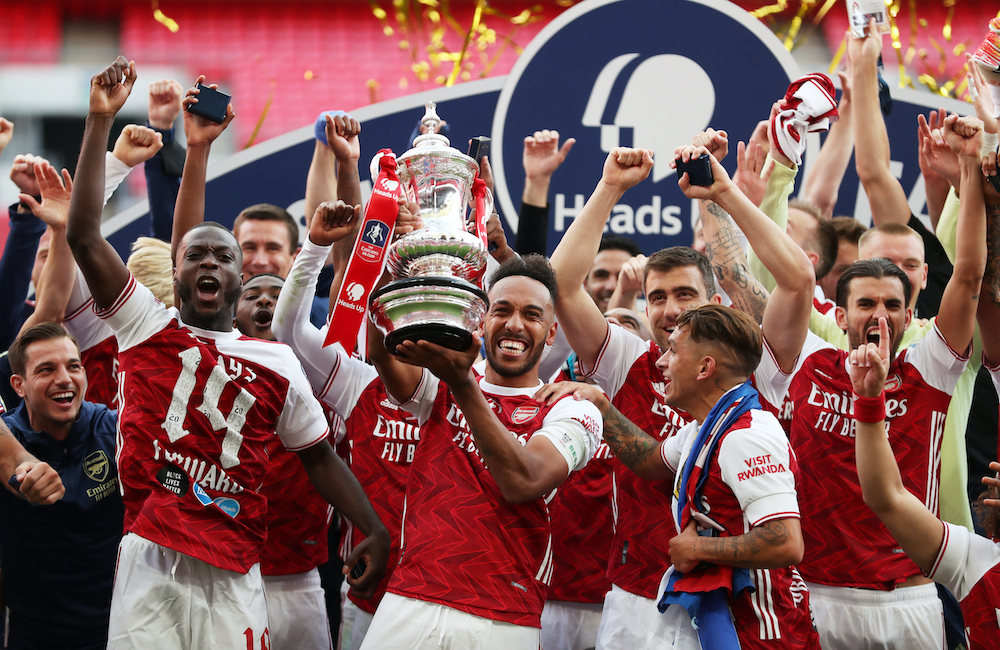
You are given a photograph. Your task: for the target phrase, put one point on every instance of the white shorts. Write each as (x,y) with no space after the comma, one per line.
(354,624)
(570,626)
(164,599)
(625,620)
(296,612)
(410,624)
(908,618)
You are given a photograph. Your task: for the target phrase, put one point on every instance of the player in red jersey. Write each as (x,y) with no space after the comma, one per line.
(863,588)
(297,516)
(382,438)
(967,564)
(476,554)
(738,486)
(198,403)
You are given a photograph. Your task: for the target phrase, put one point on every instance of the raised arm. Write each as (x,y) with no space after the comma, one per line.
(885,195)
(163,171)
(541,158)
(785,320)
(55,283)
(98,260)
(200,133)
(956,317)
(989,302)
(916,529)
(342,133)
(578,315)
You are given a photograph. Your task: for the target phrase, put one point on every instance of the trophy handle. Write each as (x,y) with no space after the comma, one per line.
(484,208)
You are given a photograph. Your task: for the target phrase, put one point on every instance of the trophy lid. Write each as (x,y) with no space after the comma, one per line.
(431,122)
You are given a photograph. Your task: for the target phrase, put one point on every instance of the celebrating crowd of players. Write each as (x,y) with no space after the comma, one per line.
(758,460)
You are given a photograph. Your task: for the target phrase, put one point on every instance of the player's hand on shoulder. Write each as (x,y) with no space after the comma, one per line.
(552,393)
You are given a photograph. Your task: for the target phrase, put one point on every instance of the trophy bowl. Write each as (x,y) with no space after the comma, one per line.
(441,310)
(439,266)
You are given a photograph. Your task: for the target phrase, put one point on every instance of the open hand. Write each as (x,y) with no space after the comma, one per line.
(751,176)
(542,153)
(453,367)
(55,192)
(552,393)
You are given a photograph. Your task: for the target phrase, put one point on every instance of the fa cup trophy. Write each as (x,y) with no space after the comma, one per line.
(437,297)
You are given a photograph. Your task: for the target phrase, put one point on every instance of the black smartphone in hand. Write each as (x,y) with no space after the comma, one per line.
(699,170)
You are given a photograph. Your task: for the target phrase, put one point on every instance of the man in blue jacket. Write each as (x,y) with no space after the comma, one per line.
(59,561)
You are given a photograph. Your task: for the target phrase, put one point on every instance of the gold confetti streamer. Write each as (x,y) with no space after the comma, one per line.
(946,30)
(793,29)
(838,56)
(770,9)
(476,17)
(263,115)
(161,18)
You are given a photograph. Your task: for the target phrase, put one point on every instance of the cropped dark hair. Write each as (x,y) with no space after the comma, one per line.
(823,237)
(18,352)
(729,328)
(848,229)
(532,266)
(611,241)
(268,212)
(876,267)
(668,259)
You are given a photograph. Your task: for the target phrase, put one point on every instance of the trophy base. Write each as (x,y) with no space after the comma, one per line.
(442,310)
(447,336)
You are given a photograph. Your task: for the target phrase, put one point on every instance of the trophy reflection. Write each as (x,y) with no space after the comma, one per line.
(439,267)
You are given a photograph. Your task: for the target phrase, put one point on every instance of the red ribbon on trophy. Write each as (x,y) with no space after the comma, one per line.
(479,191)
(368,256)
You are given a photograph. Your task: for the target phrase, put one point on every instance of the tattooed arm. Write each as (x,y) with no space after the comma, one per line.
(785,319)
(773,544)
(722,247)
(638,450)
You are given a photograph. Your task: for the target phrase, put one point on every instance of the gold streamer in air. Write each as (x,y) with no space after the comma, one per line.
(163,19)
(457,67)
(263,115)
(770,9)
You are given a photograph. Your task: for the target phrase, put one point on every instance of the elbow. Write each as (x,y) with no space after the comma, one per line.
(516,495)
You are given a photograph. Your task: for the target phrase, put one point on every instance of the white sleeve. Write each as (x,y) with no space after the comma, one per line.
(754,463)
(771,381)
(135,315)
(672,449)
(80,319)
(554,356)
(574,428)
(421,403)
(995,374)
(963,560)
(115,171)
(336,377)
(938,364)
(620,350)
(302,422)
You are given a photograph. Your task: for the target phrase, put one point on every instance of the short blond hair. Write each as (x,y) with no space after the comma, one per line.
(151,265)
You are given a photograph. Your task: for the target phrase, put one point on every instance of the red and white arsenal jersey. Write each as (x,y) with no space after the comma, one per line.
(825,306)
(846,544)
(582,530)
(751,481)
(98,346)
(197,408)
(383,441)
(626,370)
(297,516)
(969,566)
(463,545)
